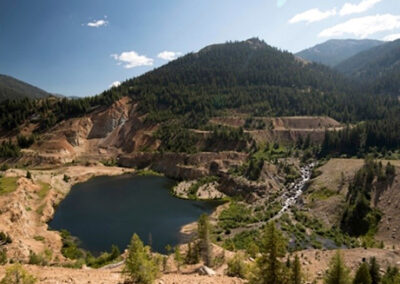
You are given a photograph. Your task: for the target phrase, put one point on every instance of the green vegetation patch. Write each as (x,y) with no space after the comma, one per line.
(322,194)
(8,184)
(72,251)
(147,172)
(44,189)
(235,216)
(246,240)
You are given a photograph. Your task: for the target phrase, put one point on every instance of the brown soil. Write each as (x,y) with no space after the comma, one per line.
(25,212)
(315,262)
(335,177)
(284,129)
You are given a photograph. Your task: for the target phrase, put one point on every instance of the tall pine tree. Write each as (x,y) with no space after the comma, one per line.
(337,272)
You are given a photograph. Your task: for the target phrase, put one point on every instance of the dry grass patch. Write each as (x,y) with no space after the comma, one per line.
(8,185)
(44,189)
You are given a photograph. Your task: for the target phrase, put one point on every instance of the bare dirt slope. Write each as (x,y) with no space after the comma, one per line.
(99,135)
(52,275)
(327,194)
(315,262)
(284,129)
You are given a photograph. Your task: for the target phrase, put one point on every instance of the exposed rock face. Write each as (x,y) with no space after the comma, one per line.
(100,135)
(20,221)
(184,166)
(234,186)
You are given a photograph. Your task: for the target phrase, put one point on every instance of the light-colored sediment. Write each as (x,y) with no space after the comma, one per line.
(25,213)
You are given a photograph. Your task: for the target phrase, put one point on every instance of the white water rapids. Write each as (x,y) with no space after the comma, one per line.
(295,189)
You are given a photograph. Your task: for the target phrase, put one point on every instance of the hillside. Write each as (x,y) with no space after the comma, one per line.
(249,76)
(11,88)
(378,66)
(335,51)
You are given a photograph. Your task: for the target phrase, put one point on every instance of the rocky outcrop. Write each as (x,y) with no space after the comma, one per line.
(233,186)
(184,166)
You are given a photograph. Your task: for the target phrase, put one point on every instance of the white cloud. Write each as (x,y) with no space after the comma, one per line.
(391,37)
(169,55)
(364,26)
(98,23)
(131,59)
(115,84)
(313,15)
(363,6)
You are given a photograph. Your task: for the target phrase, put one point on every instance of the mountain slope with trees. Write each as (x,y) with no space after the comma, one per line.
(250,77)
(335,51)
(378,67)
(11,88)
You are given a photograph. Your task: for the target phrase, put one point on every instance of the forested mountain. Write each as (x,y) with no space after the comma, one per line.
(253,77)
(334,51)
(379,67)
(248,77)
(11,88)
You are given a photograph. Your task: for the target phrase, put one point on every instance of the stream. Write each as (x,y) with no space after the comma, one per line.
(295,190)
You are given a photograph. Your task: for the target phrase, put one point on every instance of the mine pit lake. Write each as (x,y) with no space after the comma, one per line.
(108,210)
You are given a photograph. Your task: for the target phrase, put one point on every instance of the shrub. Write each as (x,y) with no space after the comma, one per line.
(41,258)
(16,274)
(66,178)
(4,238)
(4,167)
(3,256)
(237,267)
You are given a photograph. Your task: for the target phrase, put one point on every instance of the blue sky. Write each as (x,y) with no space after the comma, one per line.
(80,47)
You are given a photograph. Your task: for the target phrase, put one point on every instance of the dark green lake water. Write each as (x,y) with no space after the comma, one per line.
(108,210)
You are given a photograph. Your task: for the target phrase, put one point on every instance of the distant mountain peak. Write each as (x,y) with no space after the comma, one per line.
(335,51)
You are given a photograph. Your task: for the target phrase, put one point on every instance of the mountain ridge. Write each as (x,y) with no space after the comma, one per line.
(335,51)
(12,88)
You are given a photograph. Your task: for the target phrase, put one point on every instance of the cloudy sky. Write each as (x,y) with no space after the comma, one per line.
(81,47)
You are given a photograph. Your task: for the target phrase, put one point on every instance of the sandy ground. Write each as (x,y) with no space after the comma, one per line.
(56,275)
(315,262)
(25,212)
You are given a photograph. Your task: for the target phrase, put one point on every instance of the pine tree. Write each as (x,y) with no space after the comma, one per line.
(140,267)
(296,276)
(203,229)
(374,271)
(337,272)
(178,258)
(362,275)
(272,248)
(392,276)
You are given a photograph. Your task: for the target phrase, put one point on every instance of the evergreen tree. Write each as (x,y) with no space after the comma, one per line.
(392,276)
(204,231)
(178,258)
(374,271)
(296,276)
(362,275)
(273,247)
(140,267)
(337,272)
